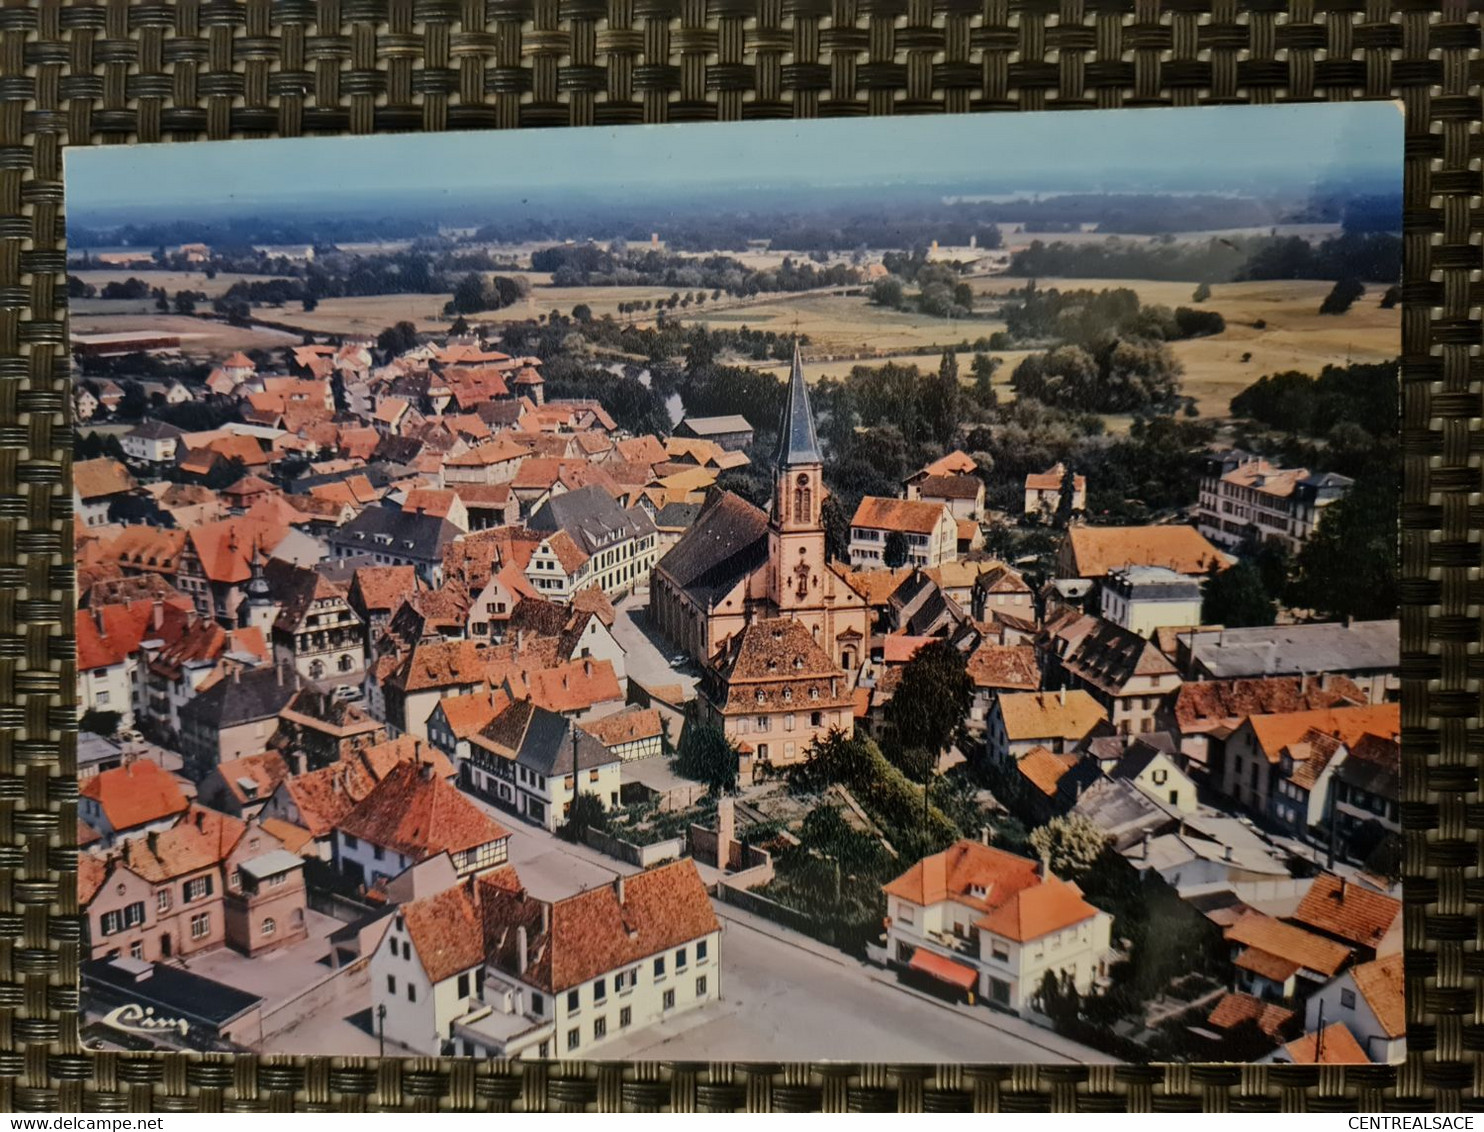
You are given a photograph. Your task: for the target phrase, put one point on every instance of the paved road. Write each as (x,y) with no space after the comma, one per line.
(647,655)
(787,1002)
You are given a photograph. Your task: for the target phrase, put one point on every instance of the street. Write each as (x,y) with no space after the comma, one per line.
(647,659)
(787,1001)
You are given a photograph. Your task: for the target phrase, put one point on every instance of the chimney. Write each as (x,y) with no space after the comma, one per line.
(986,836)
(1344,889)
(1046,873)
(1061,697)
(618,887)
(545,918)
(1226,852)
(152,839)
(158,617)
(587,667)
(200,820)
(1144,847)
(521,953)
(237,674)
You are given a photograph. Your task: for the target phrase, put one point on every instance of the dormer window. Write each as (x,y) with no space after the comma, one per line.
(814,693)
(788,695)
(760,696)
(798,663)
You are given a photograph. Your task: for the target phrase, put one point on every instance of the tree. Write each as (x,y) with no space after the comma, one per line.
(894,553)
(398,339)
(1071,843)
(310,302)
(1340,298)
(1202,293)
(984,368)
(1066,498)
(931,699)
(1236,597)
(1391,297)
(587,812)
(185,302)
(941,400)
(582,313)
(1348,567)
(706,755)
(99,722)
(888,292)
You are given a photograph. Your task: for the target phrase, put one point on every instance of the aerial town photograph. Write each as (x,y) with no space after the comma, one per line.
(892,590)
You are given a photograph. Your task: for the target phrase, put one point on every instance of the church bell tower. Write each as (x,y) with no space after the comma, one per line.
(796,551)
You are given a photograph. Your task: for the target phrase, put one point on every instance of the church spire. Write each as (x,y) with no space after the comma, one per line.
(797,442)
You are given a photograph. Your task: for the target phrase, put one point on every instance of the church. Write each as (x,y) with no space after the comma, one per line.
(738,565)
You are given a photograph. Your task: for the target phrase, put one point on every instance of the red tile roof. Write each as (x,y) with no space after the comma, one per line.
(135,794)
(1236,1008)
(1348,724)
(1037,911)
(419,815)
(1338,1047)
(1348,910)
(1380,984)
(906,515)
(1296,946)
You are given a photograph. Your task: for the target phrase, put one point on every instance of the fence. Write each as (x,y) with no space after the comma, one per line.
(644,856)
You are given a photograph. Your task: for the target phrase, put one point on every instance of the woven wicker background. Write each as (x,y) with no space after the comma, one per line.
(74,72)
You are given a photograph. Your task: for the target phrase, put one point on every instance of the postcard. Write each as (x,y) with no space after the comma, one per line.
(899,590)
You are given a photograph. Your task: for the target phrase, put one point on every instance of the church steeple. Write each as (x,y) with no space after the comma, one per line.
(798,444)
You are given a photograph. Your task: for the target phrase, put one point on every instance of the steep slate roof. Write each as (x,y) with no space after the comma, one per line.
(398,532)
(591,517)
(1103,654)
(414,812)
(728,540)
(135,794)
(1347,910)
(798,444)
(245,696)
(540,740)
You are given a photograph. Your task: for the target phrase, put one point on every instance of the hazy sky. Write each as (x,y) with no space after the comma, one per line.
(1324,141)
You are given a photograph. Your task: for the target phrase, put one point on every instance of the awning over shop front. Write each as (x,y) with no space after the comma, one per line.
(940,967)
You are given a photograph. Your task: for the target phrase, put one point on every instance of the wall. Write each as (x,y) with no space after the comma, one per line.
(642,855)
(351,979)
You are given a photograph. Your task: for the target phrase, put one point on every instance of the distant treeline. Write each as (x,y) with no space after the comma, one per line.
(1374,257)
(588,265)
(243,232)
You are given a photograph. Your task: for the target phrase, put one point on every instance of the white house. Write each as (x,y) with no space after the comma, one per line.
(1370,1001)
(534,762)
(977,921)
(1143,599)
(153,443)
(410,815)
(928,529)
(486,969)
